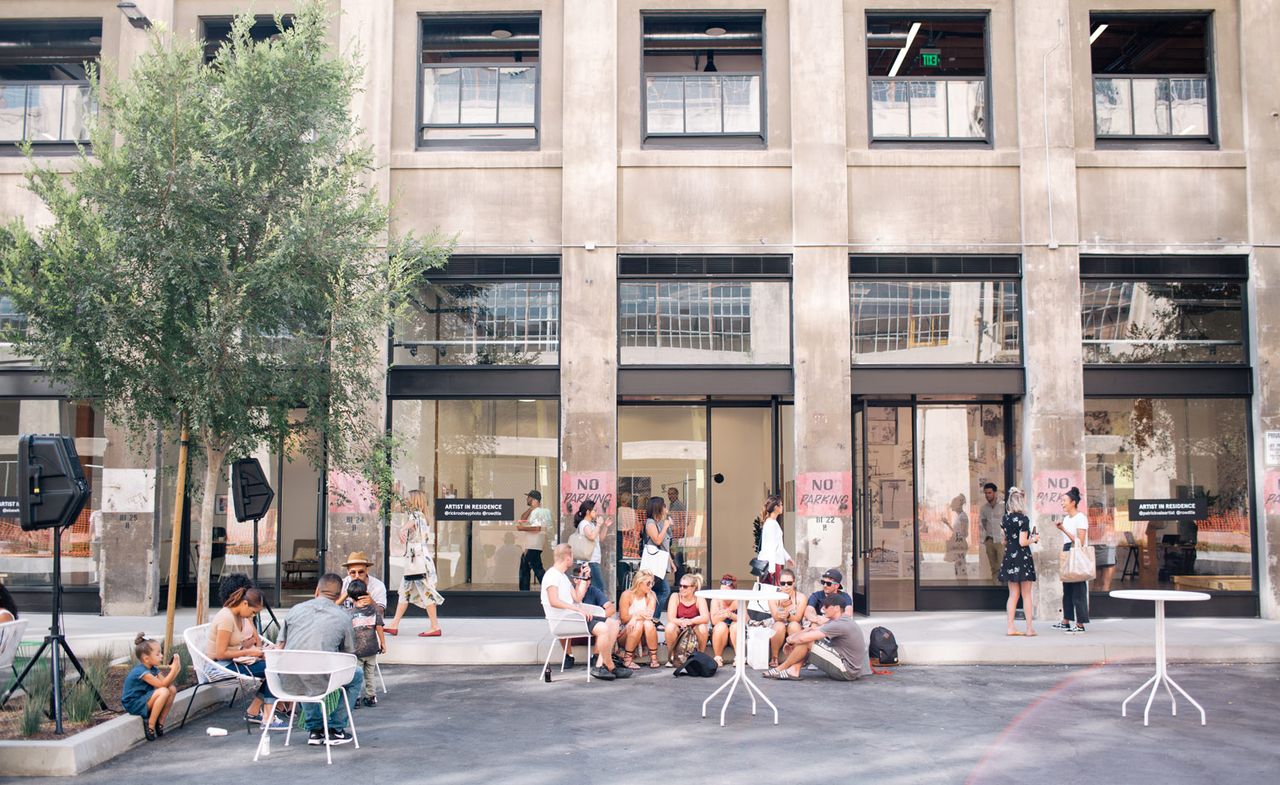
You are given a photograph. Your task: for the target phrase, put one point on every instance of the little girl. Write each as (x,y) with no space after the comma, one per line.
(146,693)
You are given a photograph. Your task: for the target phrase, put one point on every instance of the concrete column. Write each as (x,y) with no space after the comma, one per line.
(126,533)
(820,281)
(365,34)
(1052,434)
(1259,30)
(589,202)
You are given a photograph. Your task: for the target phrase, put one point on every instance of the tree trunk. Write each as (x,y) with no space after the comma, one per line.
(214,458)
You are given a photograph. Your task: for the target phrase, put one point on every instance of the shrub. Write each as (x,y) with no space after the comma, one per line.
(37,688)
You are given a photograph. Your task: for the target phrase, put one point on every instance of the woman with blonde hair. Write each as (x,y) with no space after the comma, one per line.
(418,585)
(637,608)
(1018,569)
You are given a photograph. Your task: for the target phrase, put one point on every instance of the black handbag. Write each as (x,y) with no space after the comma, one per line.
(759,567)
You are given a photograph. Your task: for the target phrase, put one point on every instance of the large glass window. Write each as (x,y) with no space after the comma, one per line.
(927,77)
(1152,76)
(26,558)
(703,76)
(959,449)
(479,81)
(705,322)
(1162,449)
(1162,321)
(44,83)
(935,322)
(497,449)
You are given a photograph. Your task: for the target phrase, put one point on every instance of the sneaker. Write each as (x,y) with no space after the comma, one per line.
(1061,626)
(1076,631)
(603,673)
(278,723)
(337,737)
(371,701)
(568,661)
(315,738)
(621,673)
(658,626)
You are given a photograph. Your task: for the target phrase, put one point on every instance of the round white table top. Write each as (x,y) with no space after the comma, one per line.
(1155,595)
(741,594)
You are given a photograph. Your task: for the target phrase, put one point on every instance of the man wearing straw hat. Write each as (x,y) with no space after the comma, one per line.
(357,566)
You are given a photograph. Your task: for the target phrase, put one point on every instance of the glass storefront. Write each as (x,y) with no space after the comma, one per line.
(1161,449)
(26,558)
(496,449)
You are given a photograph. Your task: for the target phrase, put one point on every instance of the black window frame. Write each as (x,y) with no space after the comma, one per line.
(264,27)
(1210,140)
(51,147)
(718,268)
(477,144)
(939,268)
(1168,269)
(736,140)
(934,141)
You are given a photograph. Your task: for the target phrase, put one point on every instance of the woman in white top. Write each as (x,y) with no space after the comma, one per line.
(418,584)
(772,550)
(1075,596)
(588,524)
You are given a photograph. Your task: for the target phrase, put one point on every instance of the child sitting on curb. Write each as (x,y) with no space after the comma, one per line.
(366,623)
(146,693)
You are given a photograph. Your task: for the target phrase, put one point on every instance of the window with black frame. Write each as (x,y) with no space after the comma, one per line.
(704,77)
(44,81)
(479,81)
(935,310)
(1163,311)
(217,31)
(704,310)
(1152,76)
(484,310)
(927,77)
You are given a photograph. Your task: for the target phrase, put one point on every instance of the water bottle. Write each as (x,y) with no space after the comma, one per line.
(266,744)
(546,675)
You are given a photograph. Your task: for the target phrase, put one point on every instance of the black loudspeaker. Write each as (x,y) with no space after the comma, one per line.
(250,491)
(52,489)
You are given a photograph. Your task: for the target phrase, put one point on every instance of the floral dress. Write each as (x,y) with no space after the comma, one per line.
(418,585)
(1018,566)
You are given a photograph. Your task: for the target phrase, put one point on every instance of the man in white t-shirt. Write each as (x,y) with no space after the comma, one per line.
(562,605)
(357,566)
(534,524)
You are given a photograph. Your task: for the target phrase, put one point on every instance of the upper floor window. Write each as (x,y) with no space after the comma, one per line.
(704,78)
(485,310)
(1163,310)
(1152,76)
(704,310)
(935,310)
(927,77)
(217,31)
(44,82)
(479,79)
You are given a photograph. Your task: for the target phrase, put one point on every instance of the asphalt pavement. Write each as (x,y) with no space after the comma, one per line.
(970,725)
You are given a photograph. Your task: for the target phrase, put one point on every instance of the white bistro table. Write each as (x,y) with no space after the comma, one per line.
(1160,597)
(742,597)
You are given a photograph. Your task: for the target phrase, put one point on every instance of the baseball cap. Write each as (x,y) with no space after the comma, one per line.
(834,575)
(535,495)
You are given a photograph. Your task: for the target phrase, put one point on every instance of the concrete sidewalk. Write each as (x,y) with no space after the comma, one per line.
(957,638)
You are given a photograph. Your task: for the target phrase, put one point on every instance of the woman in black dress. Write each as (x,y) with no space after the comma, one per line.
(1018,570)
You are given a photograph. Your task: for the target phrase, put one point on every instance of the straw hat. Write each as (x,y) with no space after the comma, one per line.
(357,557)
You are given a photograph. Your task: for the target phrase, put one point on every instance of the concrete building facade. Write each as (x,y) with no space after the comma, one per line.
(867,255)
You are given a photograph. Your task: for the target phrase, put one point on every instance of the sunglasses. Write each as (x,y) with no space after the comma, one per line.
(357,572)
(686,585)
(829,583)
(786,583)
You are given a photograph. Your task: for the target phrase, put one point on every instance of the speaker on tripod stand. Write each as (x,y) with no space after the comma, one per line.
(251,496)
(52,490)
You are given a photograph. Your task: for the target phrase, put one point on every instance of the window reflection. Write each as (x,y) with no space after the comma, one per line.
(1162,321)
(935,321)
(730,322)
(1174,448)
(482,323)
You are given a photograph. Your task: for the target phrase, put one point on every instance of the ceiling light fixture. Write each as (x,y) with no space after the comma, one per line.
(1096,33)
(715,31)
(501,34)
(134,14)
(902,53)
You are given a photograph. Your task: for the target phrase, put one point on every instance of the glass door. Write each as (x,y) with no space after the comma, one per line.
(885,525)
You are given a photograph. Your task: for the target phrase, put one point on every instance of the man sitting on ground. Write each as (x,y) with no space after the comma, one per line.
(563,605)
(831,587)
(836,647)
(319,624)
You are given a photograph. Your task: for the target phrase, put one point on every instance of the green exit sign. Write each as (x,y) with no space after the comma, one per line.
(930,58)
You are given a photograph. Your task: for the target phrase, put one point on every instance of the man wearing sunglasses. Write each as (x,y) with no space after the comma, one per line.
(836,647)
(357,567)
(831,587)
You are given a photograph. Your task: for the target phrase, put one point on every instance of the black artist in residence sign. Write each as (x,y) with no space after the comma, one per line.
(475,510)
(1168,509)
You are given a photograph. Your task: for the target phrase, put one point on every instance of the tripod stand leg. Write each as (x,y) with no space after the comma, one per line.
(72,656)
(31,663)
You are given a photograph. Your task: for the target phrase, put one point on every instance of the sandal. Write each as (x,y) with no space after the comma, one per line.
(1012,634)
(653,662)
(773,663)
(719,662)
(149,732)
(629,661)
(780,675)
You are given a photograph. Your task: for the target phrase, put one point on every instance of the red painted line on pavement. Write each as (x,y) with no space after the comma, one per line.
(1043,697)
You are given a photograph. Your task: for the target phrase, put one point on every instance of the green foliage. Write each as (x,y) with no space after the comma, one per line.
(220,256)
(81,703)
(37,688)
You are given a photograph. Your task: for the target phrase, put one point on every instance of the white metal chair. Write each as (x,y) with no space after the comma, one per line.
(336,668)
(565,630)
(10,638)
(209,672)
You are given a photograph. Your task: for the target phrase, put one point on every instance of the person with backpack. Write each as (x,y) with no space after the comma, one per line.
(835,647)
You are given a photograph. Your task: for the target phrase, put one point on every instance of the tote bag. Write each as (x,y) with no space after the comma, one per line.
(655,560)
(1078,564)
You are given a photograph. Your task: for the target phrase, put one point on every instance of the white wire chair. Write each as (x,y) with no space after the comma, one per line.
(287,678)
